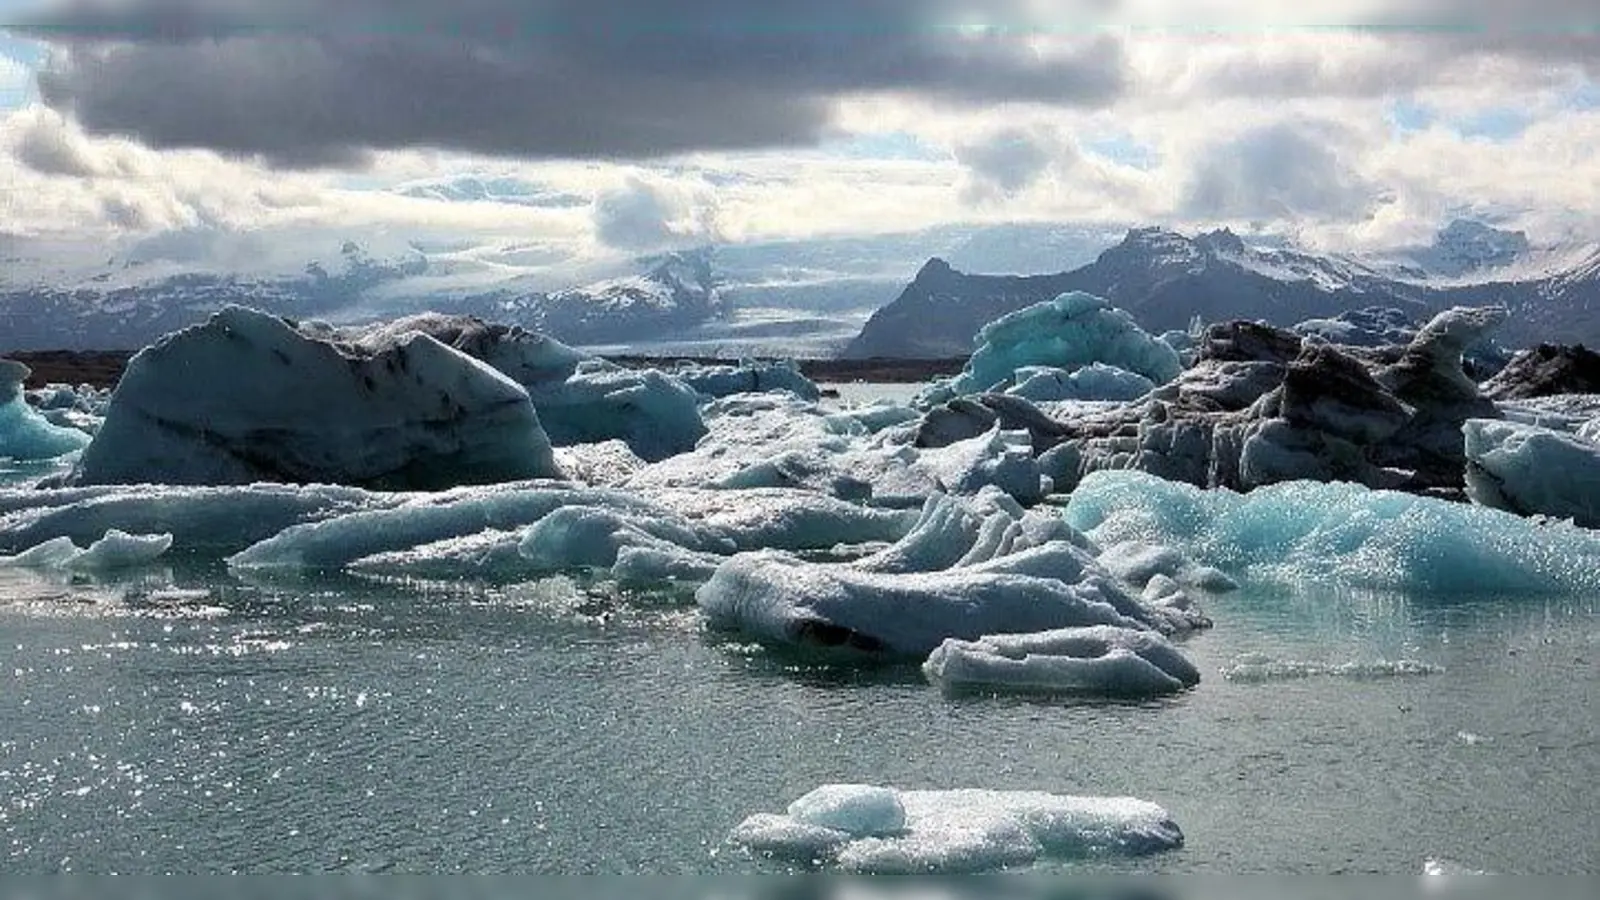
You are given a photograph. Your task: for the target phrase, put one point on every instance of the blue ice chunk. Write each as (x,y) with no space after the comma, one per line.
(1308,531)
(24,434)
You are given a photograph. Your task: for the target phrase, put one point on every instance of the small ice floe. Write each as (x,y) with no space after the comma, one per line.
(1256,668)
(1103,661)
(876,830)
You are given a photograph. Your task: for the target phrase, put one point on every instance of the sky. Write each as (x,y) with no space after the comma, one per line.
(211,132)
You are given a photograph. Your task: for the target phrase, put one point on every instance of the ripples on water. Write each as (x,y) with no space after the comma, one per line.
(186,722)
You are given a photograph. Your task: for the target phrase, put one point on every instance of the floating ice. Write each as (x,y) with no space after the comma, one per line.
(248,397)
(1259,668)
(857,810)
(1096,381)
(952,832)
(525,529)
(581,399)
(751,377)
(115,550)
(210,519)
(1530,470)
(24,434)
(970,568)
(1070,332)
(1303,532)
(1115,662)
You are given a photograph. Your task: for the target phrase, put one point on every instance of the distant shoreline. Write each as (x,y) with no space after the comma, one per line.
(102,368)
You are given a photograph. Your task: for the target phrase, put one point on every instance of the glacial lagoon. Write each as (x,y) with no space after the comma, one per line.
(178,719)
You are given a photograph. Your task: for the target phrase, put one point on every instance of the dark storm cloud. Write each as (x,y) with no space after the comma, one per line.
(304,82)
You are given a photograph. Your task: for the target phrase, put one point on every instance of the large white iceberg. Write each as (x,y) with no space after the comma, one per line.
(1530,469)
(1305,532)
(1068,333)
(874,830)
(249,397)
(24,433)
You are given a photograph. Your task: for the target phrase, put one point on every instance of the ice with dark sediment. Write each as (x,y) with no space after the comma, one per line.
(248,397)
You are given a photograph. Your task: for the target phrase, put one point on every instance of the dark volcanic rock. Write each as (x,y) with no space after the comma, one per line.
(1545,371)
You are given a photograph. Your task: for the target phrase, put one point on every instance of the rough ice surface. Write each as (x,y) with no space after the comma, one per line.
(964,831)
(1096,381)
(1104,661)
(248,397)
(1070,332)
(752,377)
(115,550)
(581,399)
(1306,532)
(24,433)
(203,519)
(858,810)
(971,567)
(526,529)
(1531,470)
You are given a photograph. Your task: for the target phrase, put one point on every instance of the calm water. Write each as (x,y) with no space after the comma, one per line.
(549,728)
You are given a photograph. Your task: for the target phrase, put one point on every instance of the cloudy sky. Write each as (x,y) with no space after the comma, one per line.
(202,128)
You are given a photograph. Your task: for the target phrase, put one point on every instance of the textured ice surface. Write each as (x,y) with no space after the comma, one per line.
(858,810)
(761,441)
(1532,470)
(115,550)
(581,399)
(967,831)
(971,567)
(1343,533)
(748,378)
(1070,332)
(247,397)
(24,433)
(523,529)
(1115,662)
(206,519)
(1096,381)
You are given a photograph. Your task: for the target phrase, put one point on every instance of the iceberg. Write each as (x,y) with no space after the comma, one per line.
(1070,332)
(249,397)
(953,832)
(1531,470)
(1103,661)
(25,435)
(751,377)
(1307,532)
(1096,381)
(114,550)
(580,399)
(207,520)
(971,567)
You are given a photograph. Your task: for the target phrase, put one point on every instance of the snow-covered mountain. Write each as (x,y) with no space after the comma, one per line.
(1166,280)
(672,292)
